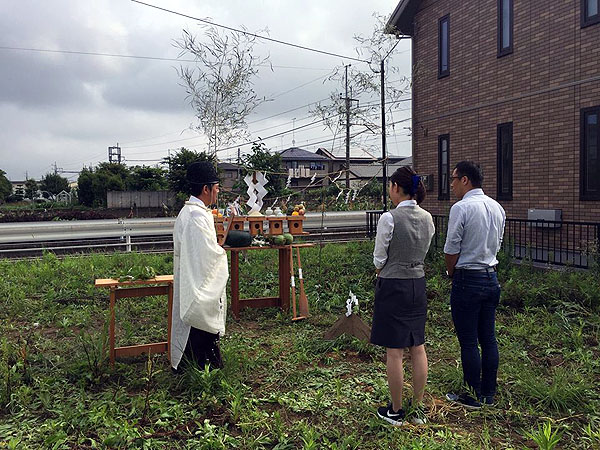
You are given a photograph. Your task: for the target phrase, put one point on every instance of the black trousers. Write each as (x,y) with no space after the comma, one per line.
(203,348)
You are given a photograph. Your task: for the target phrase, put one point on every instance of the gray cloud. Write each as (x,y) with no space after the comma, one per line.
(70,108)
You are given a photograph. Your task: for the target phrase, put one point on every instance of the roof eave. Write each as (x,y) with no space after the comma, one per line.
(401,21)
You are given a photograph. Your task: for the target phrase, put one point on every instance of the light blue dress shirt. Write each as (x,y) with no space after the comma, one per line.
(475,230)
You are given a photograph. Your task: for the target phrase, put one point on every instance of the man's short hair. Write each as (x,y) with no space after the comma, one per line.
(472,171)
(198,188)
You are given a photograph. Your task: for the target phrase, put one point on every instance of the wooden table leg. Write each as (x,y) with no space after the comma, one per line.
(111,327)
(284,277)
(235,284)
(169,319)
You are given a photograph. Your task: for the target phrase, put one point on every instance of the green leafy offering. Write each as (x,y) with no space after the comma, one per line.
(278,240)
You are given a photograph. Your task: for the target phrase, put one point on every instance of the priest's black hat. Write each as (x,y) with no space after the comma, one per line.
(202,172)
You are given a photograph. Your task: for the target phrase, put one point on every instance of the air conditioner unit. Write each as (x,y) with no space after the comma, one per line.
(544,215)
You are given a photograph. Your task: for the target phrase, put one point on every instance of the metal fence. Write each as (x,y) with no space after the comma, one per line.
(140,199)
(575,244)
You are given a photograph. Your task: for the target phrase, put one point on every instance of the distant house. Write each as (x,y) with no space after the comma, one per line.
(229,174)
(363,173)
(18,187)
(338,160)
(302,165)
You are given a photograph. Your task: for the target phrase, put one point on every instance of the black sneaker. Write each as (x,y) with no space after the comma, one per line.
(391,416)
(487,400)
(464,399)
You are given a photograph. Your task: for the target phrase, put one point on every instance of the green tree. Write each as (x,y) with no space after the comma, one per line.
(220,89)
(261,160)
(5,186)
(54,183)
(178,164)
(120,171)
(31,188)
(145,178)
(93,184)
(85,193)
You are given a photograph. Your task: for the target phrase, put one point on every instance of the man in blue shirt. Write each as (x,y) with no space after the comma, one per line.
(475,230)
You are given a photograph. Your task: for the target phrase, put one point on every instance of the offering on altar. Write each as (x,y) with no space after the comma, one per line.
(256,223)
(275,225)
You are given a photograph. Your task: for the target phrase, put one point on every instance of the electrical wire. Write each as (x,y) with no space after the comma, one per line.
(244,32)
(152,58)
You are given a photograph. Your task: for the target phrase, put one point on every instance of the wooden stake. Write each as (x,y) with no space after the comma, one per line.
(293,282)
(303,301)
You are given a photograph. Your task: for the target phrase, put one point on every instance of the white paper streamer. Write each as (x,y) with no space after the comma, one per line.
(352,300)
(288,183)
(256,191)
(339,194)
(348,196)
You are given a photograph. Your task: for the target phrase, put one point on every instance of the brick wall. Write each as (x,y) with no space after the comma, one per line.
(550,49)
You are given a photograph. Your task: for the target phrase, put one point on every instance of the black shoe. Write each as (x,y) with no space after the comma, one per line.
(487,400)
(391,416)
(464,399)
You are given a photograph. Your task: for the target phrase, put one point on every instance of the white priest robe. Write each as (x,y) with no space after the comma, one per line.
(200,275)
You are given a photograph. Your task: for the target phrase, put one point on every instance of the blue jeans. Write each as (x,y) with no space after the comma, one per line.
(474,298)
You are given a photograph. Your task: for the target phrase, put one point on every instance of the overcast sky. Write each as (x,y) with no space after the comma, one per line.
(69,108)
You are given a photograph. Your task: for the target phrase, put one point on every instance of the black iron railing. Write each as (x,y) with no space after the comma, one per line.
(575,244)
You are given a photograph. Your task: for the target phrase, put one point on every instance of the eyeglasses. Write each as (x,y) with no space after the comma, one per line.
(454,178)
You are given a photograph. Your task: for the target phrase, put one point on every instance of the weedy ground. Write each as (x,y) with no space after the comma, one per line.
(283,385)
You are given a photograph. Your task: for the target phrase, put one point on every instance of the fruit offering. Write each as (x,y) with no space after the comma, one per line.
(297,210)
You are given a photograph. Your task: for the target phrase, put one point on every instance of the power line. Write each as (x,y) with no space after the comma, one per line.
(257,131)
(153,58)
(156,137)
(288,111)
(298,87)
(255,121)
(252,34)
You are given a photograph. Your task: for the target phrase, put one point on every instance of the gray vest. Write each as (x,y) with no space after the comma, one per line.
(413,230)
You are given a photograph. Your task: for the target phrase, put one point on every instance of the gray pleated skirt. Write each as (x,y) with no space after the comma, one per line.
(400,312)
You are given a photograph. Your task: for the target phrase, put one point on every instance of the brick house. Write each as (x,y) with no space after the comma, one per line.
(515,86)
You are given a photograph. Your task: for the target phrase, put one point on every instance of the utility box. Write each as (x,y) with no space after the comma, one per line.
(545,215)
(427,182)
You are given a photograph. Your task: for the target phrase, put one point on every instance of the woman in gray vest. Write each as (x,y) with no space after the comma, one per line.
(403,238)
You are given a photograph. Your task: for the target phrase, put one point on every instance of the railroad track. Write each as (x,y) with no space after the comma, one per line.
(147,244)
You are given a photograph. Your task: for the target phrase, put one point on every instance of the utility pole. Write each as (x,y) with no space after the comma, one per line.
(347,133)
(239,162)
(348,102)
(383,138)
(55,168)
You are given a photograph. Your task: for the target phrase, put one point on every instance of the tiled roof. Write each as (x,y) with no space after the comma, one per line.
(355,153)
(299,154)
